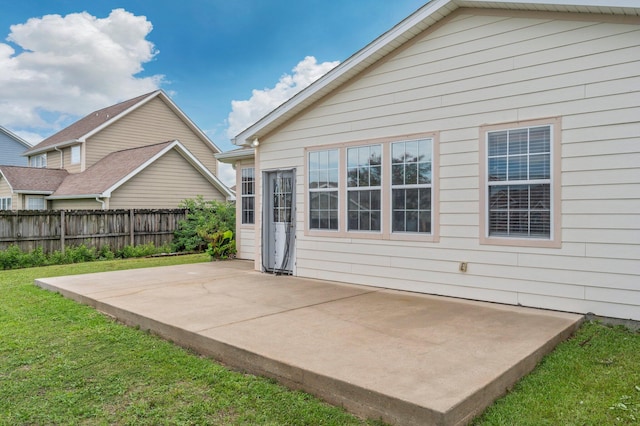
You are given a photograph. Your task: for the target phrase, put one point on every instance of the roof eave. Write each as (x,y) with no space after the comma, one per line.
(32,192)
(231,157)
(414,24)
(52,147)
(75,196)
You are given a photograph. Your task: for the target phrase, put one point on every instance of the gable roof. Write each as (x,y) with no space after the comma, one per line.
(15,137)
(425,17)
(114,170)
(94,122)
(32,180)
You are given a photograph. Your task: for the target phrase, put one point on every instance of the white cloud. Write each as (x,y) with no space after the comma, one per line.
(71,65)
(226,174)
(245,113)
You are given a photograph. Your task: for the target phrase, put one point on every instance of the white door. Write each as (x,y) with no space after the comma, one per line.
(279,221)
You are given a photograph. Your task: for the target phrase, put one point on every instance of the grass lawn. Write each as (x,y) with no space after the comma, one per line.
(65,363)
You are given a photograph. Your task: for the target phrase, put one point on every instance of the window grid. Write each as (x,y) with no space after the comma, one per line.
(519,182)
(411,169)
(323,189)
(247,194)
(364,184)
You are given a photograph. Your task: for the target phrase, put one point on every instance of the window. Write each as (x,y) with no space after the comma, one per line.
(519,182)
(411,165)
(248,195)
(5,203)
(75,154)
(39,161)
(35,203)
(323,168)
(364,183)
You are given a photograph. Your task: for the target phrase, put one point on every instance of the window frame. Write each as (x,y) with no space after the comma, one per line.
(360,188)
(6,203)
(331,191)
(248,195)
(404,186)
(554,239)
(34,198)
(75,154)
(386,207)
(38,161)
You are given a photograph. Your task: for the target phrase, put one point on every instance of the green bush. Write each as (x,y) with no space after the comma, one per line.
(222,245)
(13,257)
(204,219)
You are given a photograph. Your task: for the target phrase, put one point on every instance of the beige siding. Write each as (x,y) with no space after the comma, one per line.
(154,122)
(164,184)
(479,69)
(53,160)
(79,204)
(5,192)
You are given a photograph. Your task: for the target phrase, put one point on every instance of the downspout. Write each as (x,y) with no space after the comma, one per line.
(101,201)
(61,156)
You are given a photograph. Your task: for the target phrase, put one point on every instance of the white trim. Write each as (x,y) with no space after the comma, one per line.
(126,112)
(73,197)
(231,157)
(15,137)
(52,147)
(188,156)
(419,21)
(7,180)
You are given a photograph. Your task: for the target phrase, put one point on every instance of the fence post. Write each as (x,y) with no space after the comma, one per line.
(132,227)
(62,231)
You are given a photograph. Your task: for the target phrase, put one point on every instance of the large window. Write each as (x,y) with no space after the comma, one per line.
(248,193)
(323,169)
(519,187)
(364,183)
(411,165)
(5,203)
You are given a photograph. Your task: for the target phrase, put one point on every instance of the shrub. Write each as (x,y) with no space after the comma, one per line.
(204,219)
(13,257)
(222,245)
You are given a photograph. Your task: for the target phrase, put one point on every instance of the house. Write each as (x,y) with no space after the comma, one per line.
(141,153)
(487,150)
(11,148)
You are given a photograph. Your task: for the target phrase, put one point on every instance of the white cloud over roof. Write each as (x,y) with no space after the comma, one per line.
(68,65)
(247,112)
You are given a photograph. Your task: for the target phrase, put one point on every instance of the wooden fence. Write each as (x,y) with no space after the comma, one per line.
(56,229)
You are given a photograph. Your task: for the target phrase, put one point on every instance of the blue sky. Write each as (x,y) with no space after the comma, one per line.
(205,54)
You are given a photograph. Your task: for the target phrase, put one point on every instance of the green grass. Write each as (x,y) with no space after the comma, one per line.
(65,363)
(591,379)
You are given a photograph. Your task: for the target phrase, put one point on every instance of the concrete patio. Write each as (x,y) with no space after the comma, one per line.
(406,358)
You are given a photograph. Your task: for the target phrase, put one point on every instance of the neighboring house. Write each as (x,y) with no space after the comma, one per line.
(11,148)
(141,153)
(487,150)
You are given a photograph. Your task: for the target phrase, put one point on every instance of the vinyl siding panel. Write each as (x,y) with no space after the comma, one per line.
(153,122)
(474,70)
(79,204)
(11,151)
(164,184)
(5,192)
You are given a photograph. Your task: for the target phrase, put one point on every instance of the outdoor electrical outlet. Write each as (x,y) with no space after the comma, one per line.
(463,266)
